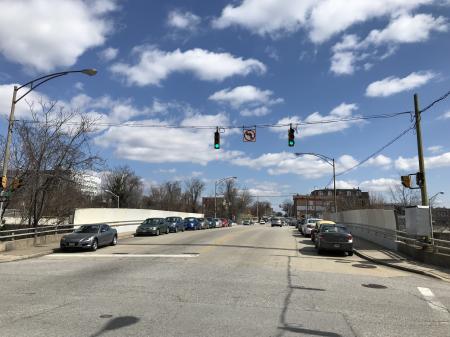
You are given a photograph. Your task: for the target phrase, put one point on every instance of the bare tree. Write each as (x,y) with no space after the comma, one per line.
(124,182)
(404,196)
(49,150)
(288,207)
(194,190)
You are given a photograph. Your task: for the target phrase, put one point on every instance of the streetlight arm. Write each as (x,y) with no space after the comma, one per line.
(321,156)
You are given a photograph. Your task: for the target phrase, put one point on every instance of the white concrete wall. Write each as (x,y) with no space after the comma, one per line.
(375,225)
(98,215)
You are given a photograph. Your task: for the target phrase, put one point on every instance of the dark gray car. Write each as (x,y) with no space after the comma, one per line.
(153,226)
(175,224)
(90,237)
(334,238)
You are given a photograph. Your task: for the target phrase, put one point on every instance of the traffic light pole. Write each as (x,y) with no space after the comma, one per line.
(423,187)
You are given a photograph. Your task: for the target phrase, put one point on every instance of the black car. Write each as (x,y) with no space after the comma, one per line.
(153,226)
(90,237)
(334,238)
(175,223)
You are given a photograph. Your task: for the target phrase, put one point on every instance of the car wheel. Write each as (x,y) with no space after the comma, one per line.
(157,232)
(350,253)
(167,230)
(319,251)
(94,245)
(114,241)
(176,229)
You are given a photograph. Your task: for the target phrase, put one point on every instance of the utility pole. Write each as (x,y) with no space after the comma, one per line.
(423,188)
(257,207)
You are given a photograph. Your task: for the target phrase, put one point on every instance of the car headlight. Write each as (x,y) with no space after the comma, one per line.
(154,228)
(88,239)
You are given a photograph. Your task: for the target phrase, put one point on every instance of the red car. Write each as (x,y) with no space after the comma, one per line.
(225,223)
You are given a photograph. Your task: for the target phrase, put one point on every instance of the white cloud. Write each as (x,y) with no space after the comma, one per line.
(380,161)
(412,164)
(445,115)
(373,185)
(255,112)
(342,111)
(435,149)
(44,35)
(168,145)
(183,20)
(108,54)
(322,19)
(246,94)
(394,85)
(79,86)
(266,188)
(287,163)
(404,28)
(22,108)
(155,65)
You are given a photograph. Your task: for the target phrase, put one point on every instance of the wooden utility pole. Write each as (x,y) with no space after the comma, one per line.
(423,187)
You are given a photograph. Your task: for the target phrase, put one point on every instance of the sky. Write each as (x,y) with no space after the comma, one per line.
(243,63)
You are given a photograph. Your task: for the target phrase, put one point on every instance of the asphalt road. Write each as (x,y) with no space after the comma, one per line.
(240,281)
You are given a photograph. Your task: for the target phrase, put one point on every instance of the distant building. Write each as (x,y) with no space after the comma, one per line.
(321,201)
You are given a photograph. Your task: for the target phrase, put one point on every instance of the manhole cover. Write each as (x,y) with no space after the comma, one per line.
(374,286)
(106,316)
(120,253)
(337,261)
(361,265)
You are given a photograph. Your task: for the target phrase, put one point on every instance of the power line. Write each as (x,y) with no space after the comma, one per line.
(436,101)
(392,141)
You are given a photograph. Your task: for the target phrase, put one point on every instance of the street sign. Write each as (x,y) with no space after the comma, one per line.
(249,135)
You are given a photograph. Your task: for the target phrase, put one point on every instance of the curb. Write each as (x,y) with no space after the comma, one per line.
(26,257)
(411,270)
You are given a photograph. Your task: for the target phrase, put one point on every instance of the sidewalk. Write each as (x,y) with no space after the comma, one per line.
(39,250)
(377,254)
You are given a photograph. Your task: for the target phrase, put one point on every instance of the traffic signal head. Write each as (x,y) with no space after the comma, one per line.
(406,181)
(4,182)
(419,179)
(217,139)
(291,136)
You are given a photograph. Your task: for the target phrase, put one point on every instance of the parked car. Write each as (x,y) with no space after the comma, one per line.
(334,238)
(317,226)
(153,226)
(175,224)
(203,223)
(262,222)
(224,222)
(90,237)
(246,222)
(211,222)
(300,224)
(192,224)
(217,222)
(276,222)
(308,226)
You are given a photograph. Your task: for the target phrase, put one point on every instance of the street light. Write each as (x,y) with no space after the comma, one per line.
(33,85)
(329,161)
(217,182)
(431,214)
(108,191)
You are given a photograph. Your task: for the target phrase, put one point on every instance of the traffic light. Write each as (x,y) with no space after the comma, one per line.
(406,181)
(419,179)
(4,182)
(16,184)
(291,136)
(217,139)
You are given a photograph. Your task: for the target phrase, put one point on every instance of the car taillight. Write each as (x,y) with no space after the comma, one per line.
(350,238)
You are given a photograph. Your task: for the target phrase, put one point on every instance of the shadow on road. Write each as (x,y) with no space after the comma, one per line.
(311,251)
(297,328)
(116,323)
(204,245)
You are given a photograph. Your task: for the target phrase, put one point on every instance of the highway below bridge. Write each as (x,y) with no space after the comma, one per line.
(240,281)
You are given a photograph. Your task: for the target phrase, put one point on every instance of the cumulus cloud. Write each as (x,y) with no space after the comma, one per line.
(108,54)
(372,185)
(155,65)
(22,107)
(183,20)
(246,94)
(168,145)
(412,164)
(342,111)
(393,85)
(321,19)
(445,115)
(380,161)
(405,28)
(435,149)
(61,31)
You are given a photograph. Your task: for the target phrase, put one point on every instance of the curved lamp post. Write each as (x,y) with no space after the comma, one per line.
(33,84)
(115,195)
(217,182)
(329,161)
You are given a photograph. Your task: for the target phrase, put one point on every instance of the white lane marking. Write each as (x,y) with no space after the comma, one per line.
(432,302)
(121,255)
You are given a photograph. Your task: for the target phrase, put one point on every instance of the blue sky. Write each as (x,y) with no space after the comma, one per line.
(251,62)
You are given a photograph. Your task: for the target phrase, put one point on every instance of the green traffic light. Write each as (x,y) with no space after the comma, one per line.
(217,146)
(291,143)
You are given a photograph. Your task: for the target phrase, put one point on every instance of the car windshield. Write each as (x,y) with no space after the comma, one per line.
(333,229)
(153,221)
(189,219)
(172,219)
(88,229)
